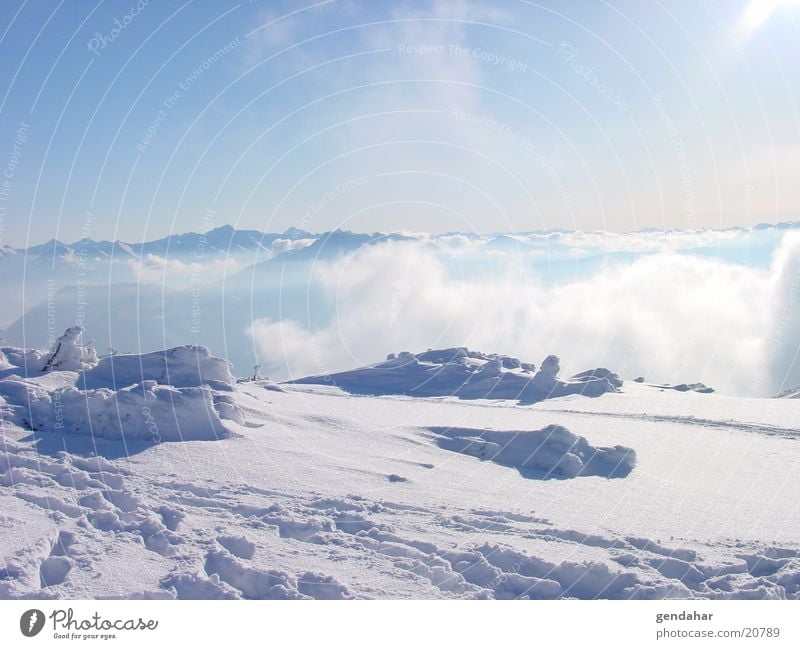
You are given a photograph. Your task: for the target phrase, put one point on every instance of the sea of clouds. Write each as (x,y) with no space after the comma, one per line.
(667,315)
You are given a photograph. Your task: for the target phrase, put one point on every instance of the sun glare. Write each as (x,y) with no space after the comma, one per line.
(759,11)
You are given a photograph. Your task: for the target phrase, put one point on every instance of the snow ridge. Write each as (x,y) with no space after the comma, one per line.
(175,395)
(553,452)
(468,375)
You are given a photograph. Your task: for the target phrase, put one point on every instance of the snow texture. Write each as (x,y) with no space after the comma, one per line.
(181,367)
(174,395)
(552,452)
(69,354)
(310,492)
(468,375)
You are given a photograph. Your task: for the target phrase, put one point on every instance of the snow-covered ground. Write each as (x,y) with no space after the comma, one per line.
(204,488)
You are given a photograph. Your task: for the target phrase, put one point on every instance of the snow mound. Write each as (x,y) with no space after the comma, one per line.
(177,394)
(144,412)
(70,354)
(180,367)
(702,388)
(552,452)
(23,361)
(468,374)
(599,373)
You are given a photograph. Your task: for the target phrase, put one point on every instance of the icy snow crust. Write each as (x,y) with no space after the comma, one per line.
(311,492)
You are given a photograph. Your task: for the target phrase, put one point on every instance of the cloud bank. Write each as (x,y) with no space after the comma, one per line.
(667,316)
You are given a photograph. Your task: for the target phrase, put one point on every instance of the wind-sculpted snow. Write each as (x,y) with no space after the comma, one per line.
(468,375)
(687,387)
(69,354)
(22,361)
(313,493)
(552,452)
(181,367)
(174,395)
(142,412)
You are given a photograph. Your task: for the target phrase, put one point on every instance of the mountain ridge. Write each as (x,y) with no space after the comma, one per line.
(217,237)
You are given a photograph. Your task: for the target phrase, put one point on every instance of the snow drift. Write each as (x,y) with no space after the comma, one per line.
(552,452)
(69,354)
(468,375)
(173,395)
(141,412)
(181,367)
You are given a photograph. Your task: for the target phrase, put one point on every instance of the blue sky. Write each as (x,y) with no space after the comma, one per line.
(131,121)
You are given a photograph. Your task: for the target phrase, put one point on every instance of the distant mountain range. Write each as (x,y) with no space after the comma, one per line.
(208,288)
(226,240)
(223,240)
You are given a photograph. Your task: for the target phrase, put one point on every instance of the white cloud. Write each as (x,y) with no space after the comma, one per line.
(667,316)
(153,269)
(284,245)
